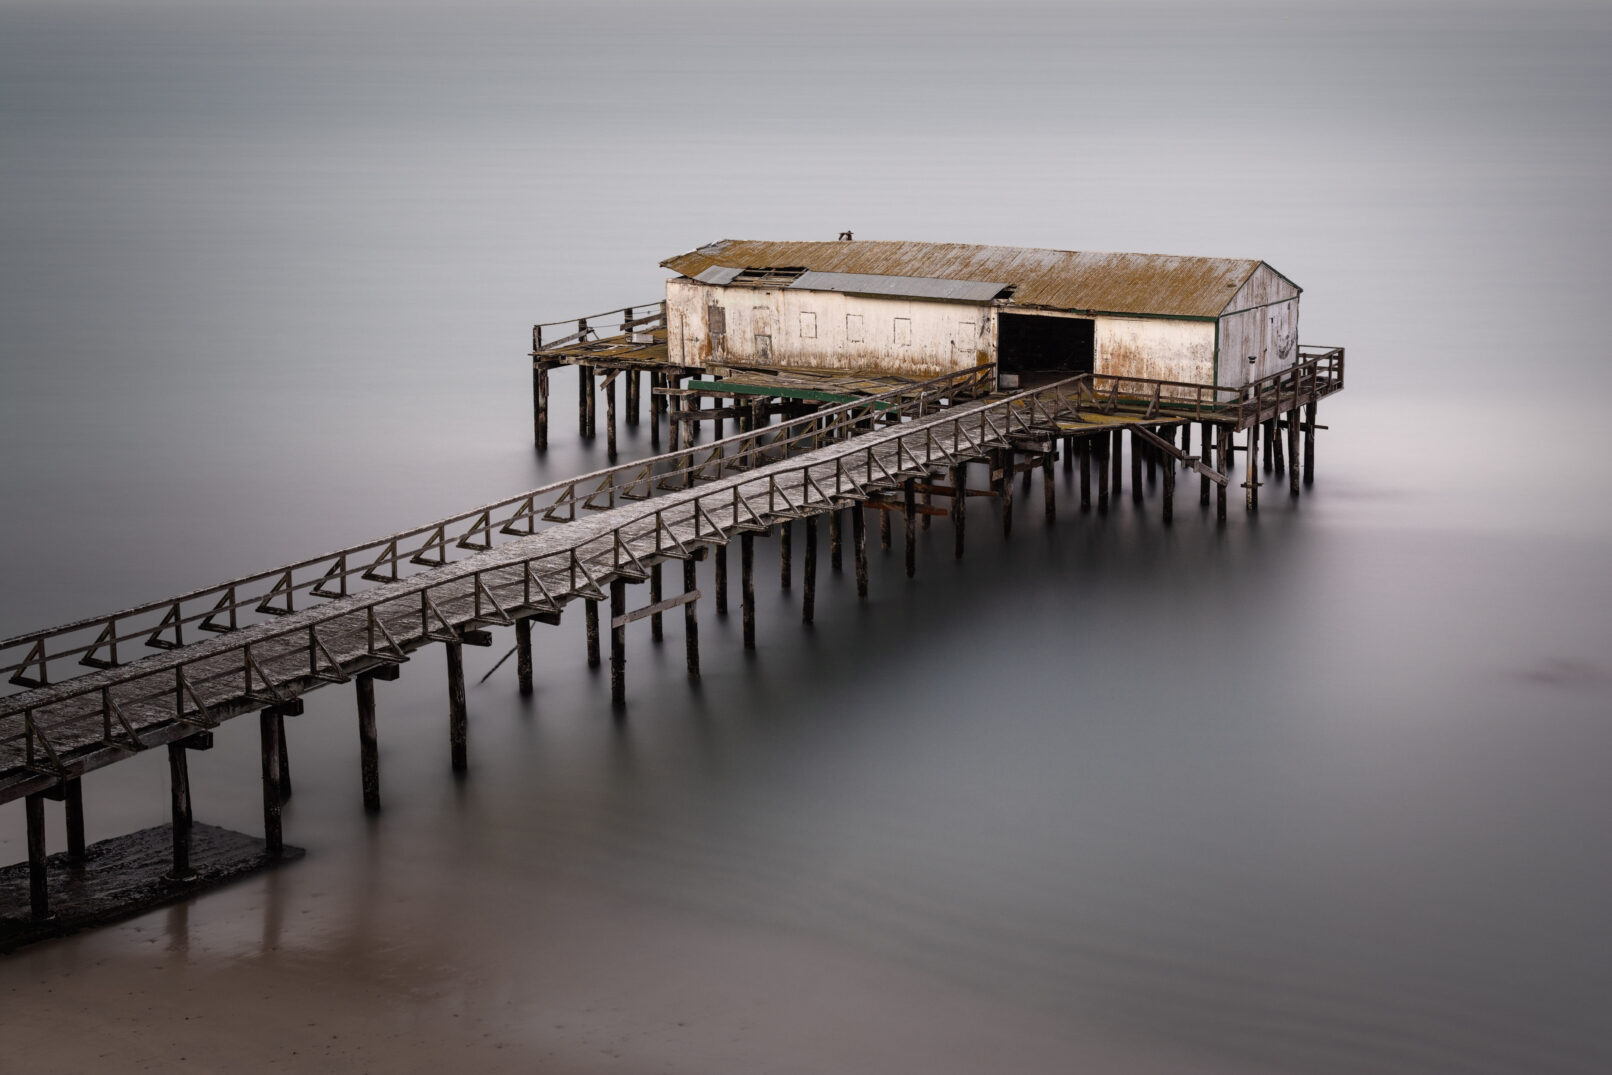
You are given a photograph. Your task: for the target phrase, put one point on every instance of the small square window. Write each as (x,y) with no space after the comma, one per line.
(808,325)
(903,332)
(763,348)
(853,328)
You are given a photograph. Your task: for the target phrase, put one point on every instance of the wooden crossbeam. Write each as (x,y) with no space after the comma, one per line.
(654,610)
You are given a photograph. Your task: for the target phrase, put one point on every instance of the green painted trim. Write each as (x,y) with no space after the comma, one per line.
(815,394)
(1034,311)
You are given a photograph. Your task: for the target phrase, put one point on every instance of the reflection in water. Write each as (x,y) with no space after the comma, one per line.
(1319,792)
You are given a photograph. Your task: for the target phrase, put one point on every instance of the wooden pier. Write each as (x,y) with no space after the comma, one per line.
(98,691)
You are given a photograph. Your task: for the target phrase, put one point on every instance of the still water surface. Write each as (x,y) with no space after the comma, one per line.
(1319,792)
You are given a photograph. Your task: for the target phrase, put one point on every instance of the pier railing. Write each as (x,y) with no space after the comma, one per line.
(105,642)
(61,730)
(628,320)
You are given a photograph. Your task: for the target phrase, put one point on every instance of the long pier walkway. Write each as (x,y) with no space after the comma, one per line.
(100,690)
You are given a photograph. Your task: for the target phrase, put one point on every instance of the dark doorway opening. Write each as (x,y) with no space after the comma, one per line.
(1045,348)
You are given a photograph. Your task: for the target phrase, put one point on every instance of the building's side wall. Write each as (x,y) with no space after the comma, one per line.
(1262,322)
(1161,349)
(820,330)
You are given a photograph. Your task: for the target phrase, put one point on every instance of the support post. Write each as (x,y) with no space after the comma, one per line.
(38,880)
(1006,489)
(1085,473)
(1265,429)
(884,529)
(458,721)
(523,654)
(1251,468)
(590,610)
(593,403)
(1275,433)
(657,627)
(1309,442)
(582,400)
(859,549)
(1169,491)
(747,586)
(1293,453)
(285,765)
(73,801)
(808,572)
(540,407)
(1115,462)
(959,504)
(610,420)
(269,729)
(1206,457)
(835,525)
(369,765)
(1068,454)
(1136,468)
(721,573)
(618,643)
(1150,455)
(1225,458)
(909,498)
(1049,493)
(656,406)
(632,396)
(1103,447)
(786,542)
(691,619)
(179,793)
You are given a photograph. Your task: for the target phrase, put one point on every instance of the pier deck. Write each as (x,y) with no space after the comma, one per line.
(100,690)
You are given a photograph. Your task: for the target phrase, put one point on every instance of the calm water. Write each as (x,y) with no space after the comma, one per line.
(1322,792)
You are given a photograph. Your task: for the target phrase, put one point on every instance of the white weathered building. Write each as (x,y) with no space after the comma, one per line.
(925,309)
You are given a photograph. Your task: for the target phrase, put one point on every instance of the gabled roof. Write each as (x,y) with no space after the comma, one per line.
(1051,279)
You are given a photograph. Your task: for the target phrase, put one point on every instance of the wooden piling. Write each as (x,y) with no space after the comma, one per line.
(1085,473)
(618,643)
(73,805)
(1116,463)
(1251,468)
(1068,454)
(269,729)
(285,765)
(1275,432)
(1225,460)
(1169,491)
(593,402)
(884,530)
(38,880)
(540,407)
(523,654)
(369,765)
(1049,495)
(835,525)
(959,508)
(1136,469)
(657,628)
(610,418)
(1006,491)
(859,549)
(1265,428)
(656,406)
(590,610)
(691,618)
(179,796)
(721,580)
(786,549)
(910,517)
(1309,442)
(747,587)
(632,396)
(1206,457)
(808,571)
(674,427)
(458,720)
(1293,453)
(1102,448)
(1150,456)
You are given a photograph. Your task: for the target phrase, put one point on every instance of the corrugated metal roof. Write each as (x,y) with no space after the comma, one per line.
(719,274)
(907,287)
(1052,279)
